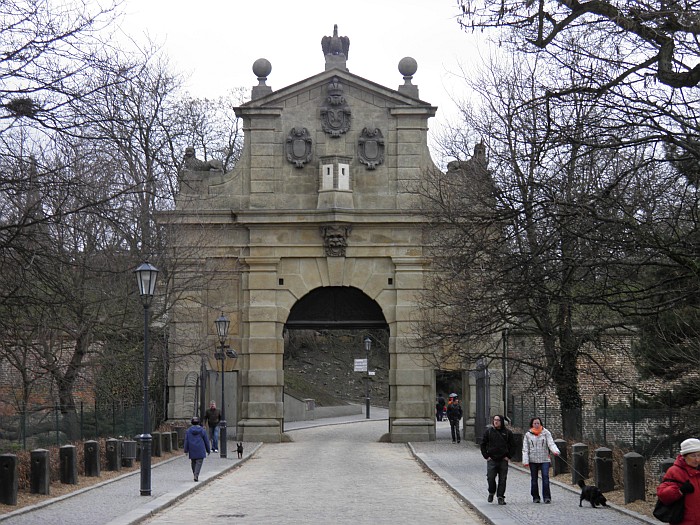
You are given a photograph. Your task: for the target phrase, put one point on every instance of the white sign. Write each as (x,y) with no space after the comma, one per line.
(371,373)
(360,365)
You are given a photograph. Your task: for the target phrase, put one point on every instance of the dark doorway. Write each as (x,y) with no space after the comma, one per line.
(323,336)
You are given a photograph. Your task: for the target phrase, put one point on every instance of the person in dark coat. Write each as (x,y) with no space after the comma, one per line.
(454,414)
(197,446)
(497,447)
(440,407)
(683,479)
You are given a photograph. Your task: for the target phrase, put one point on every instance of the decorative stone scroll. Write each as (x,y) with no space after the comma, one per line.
(335,115)
(299,146)
(370,148)
(335,239)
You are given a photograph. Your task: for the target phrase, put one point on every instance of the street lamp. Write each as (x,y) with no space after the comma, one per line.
(146,275)
(368,347)
(222,325)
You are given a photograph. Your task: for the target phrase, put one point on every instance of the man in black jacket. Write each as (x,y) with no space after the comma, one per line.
(454,414)
(497,447)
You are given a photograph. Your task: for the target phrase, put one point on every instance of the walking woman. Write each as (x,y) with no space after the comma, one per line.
(197,446)
(537,444)
(682,480)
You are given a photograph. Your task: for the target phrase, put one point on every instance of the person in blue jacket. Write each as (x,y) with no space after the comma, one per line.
(197,446)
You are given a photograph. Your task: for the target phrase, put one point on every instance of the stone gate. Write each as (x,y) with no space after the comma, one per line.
(324,196)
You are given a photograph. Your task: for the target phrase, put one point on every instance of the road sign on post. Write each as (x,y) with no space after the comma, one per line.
(360,365)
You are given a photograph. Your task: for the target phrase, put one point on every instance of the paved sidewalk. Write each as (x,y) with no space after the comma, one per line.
(463,468)
(460,466)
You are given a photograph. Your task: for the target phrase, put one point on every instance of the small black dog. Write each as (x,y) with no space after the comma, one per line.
(239,449)
(593,494)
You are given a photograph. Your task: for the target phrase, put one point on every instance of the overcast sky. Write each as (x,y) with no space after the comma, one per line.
(217,41)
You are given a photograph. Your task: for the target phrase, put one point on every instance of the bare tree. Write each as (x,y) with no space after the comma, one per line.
(546,238)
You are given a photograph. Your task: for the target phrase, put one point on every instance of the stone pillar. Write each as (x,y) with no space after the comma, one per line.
(559,463)
(633,477)
(664,466)
(68,458)
(113,451)
(603,475)
(39,475)
(92,458)
(174,440)
(579,453)
(262,374)
(412,405)
(9,482)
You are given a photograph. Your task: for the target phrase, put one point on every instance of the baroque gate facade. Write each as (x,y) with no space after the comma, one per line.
(324,195)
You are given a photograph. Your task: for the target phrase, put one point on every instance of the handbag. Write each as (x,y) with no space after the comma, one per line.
(672,513)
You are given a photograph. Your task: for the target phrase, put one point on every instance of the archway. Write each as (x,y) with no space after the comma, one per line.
(323,336)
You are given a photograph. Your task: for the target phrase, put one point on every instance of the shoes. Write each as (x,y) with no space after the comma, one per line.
(548,501)
(196,479)
(535,500)
(501,500)
(458,441)
(215,450)
(453,441)
(490,498)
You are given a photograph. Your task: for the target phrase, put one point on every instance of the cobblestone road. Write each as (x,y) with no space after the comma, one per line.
(333,474)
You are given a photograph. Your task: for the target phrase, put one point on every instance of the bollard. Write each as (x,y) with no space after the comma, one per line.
(181,431)
(174,439)
(39,475)
(9,479)
(633,477)
(157,444)
(603,475)
(68,464)
(579,463)
(518,439)
(166,438)
(114,456)
(128,453)
(559,462)
(92,459)
(664,466)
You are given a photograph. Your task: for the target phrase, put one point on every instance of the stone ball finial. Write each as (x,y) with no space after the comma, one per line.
(408,67)
(261,69)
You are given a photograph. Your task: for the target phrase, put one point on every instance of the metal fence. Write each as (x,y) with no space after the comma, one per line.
(651,432)
(48,426)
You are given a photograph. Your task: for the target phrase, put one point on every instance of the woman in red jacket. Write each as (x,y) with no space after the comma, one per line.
(683,478)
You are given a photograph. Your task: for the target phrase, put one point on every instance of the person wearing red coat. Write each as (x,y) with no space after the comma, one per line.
(683,478)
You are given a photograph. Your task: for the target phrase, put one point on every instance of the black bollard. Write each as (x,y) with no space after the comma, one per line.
(9,482)
(664,466)
(114,454)
(579,464)
(157,444)
(181,431)
(167,439)
(633,477)
(92,458)
(174,439)
(518,439)
(128,453)
(603,461)
(39,474)
(68,460)
(559,462)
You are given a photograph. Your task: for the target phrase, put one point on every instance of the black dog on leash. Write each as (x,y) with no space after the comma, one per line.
(592,494)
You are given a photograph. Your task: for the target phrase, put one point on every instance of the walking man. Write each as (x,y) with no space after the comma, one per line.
(454,414)
(497,447)
(213,416)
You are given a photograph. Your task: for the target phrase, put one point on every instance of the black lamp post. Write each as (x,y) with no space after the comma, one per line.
(368,347)
(222,325)
(146,275)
